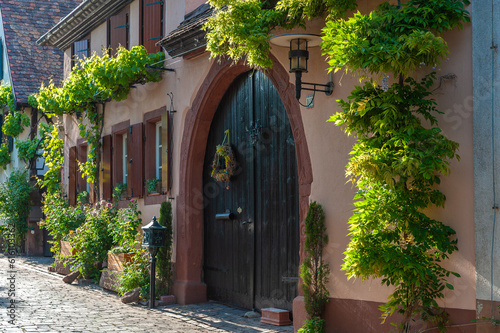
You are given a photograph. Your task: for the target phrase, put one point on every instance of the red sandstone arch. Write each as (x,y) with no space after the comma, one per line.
(188,286)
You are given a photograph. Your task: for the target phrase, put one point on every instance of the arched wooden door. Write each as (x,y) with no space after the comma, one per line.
(252,260)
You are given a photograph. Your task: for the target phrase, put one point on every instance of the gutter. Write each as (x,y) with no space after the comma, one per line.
(81,21)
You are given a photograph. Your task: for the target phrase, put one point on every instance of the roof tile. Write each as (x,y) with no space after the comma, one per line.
(30,64)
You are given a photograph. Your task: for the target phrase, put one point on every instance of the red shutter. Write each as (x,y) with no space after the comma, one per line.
(82,158)
(136,161)
(151,24)
(72,176)
(107,185)
(118,30)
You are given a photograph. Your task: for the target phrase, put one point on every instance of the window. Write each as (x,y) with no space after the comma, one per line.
(72,175)
(155,151)
(127,159)
(118,30)
(80,50)
(119,168)
(81,182)
(158,150)
(151,24)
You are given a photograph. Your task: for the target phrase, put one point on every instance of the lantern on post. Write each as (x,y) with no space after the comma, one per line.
(153,237)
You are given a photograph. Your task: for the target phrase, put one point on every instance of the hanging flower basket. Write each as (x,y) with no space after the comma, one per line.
(223,164)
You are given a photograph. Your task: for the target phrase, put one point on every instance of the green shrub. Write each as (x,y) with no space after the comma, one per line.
(61,220)
(125,226)
(92,240)
(15,204)
(136,273)
(164,256)
(313,271)
(313,325)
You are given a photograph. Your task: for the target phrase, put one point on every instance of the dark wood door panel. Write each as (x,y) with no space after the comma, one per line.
(252,261)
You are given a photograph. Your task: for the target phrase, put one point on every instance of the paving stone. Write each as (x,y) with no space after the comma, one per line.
(46,304)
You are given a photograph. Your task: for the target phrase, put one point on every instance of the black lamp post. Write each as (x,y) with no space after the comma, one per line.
(299,55)
(153,237)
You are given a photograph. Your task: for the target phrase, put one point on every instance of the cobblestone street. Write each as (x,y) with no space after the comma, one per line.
(43,303)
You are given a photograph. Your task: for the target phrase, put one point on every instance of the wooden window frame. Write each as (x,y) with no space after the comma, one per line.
(81,183)
(72,175)
(158,148)
(150,120)
(118,131)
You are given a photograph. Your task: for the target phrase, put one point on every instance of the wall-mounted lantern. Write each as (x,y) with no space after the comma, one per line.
(299,55)
(153,237)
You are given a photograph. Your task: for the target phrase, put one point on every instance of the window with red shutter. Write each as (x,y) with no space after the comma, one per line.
(119,165)
(151,24)
(81,182)
(118,30)
(156,152)
(72,167)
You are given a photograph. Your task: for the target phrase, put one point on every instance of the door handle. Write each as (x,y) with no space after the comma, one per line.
(247,222)
(225,216)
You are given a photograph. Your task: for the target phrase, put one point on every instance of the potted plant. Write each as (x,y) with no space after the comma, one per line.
(125,231)
(152,186)
(118,257)
(120,191)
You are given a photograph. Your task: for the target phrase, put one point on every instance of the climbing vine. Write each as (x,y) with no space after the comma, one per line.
(400,154)
(96,81)
(14,122)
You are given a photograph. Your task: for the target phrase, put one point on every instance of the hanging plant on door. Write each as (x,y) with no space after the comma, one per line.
(224,163)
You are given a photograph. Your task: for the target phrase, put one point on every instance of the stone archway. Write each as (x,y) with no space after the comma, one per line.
(188,285)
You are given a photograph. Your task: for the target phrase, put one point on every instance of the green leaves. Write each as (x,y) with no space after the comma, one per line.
(397,39)
(393,145)
(241,30)
(97,80)
(15,202)
(4,155)
(396,164)
(53,147)
(6,97)
(14,123)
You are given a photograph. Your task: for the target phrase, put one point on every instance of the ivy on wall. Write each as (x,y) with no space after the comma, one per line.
(400,154)
(90,85)
(14,122)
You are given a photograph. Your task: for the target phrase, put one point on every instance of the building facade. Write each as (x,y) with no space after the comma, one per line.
(25,66)
(242,241)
